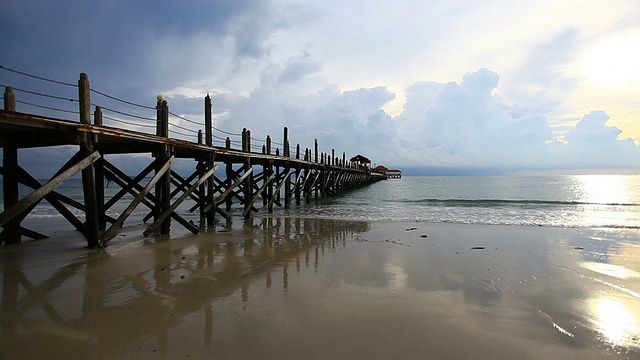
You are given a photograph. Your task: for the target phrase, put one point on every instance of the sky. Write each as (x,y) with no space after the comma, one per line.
(494,86)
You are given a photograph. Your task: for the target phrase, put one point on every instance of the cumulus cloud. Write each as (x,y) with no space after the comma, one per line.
(465,124)
(594,144)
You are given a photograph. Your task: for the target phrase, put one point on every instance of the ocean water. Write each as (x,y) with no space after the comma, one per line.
(581,201)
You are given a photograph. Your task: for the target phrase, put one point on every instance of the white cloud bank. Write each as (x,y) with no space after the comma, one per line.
(442,125)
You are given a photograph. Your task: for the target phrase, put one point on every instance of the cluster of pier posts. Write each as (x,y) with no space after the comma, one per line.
(276,179)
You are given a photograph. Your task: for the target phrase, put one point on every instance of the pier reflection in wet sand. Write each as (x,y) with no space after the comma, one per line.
(314,288)
(130,297)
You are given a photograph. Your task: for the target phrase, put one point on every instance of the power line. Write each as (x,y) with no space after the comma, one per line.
(38,77)
(47,107)
(128,122)
(39,94)
(183,128)
(181,133)
(185,119)
(226,132)
(122,101)
(124,113)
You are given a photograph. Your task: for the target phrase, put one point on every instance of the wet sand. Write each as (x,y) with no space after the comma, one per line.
(287,288)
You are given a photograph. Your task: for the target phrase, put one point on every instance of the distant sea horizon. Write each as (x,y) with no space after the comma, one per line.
(573,201)
(483,171)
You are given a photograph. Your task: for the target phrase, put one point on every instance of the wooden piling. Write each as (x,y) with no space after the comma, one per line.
(88,173)
(248,181)
(208,130)
(12,233)
(99,178)
(163,187)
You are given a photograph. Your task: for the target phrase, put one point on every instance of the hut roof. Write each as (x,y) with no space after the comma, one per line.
(361,159)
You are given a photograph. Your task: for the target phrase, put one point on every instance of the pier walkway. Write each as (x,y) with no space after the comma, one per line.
(268,174)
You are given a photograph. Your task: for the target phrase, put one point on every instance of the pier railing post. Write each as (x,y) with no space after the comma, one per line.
(285,143)
(316,149)
(9,99)
(88,173)
(163,187)
(229,179)
(12,231)
(208,139)
(268,173)
(208,121)
(99,171)
(244,140)
(84,92)
(248,181)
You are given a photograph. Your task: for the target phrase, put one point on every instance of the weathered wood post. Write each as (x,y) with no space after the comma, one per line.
(316,149)
(200,169)
(315,193)
(99,171)
(285,143)
(208,123)
(229,179)
(269,171)
(88,173)
(248,181)
(287,169)
(278,186)
(12,233)
(9,99)
(298,174)
(163,187)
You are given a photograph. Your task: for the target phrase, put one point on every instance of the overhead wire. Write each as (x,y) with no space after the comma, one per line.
(254,146)
(122,101)
(46,107)
(124,113)
(39,93)
(128,122)
(38,77)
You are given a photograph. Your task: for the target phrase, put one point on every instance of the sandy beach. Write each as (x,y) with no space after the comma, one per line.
(291,288)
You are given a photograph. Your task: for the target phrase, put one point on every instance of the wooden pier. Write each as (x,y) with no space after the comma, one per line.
(274,175)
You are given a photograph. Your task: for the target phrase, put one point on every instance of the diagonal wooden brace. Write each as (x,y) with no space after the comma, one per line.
(45,189)
(177,203)
(109,234)
(266,183)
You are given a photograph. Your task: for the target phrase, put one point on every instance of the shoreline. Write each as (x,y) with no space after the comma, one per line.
(287,287)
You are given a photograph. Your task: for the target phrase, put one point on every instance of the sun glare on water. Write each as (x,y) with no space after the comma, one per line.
(613,62)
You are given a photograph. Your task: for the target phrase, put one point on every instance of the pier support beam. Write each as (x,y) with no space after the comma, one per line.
(163,187)
(88,173)
(208,130)
(248,181)
(11,233)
